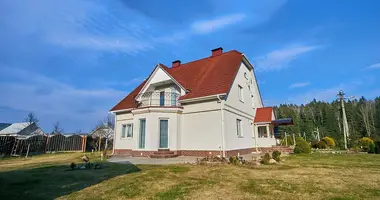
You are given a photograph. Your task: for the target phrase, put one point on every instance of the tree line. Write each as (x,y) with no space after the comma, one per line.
(363,118)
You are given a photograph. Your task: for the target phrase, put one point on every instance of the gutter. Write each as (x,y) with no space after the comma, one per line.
(222,124)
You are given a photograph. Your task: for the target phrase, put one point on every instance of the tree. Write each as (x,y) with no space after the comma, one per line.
(104,129)
(57,129)
(367,112)
(31,118)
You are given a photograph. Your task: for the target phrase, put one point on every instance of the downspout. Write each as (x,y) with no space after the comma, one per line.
(114,136)
(222,124)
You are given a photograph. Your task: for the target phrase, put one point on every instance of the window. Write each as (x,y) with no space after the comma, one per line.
(262,131)
(241,93)
(162,98)
(245,75)
(239,128)
(127,129)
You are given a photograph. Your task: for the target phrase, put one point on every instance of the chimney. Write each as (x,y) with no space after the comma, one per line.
(217,51)
(176,63)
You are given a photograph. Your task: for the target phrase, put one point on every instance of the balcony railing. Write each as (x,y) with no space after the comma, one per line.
(163,99)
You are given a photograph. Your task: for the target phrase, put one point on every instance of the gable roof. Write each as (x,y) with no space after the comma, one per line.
(14,128)
(205,77)
(4,125)
(264,115)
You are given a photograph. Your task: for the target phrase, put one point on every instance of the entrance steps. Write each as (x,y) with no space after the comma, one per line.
(163,153)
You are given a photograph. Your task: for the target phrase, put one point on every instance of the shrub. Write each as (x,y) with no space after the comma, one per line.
(265,159)
(377,147)
(322,145)
(371,148)
(314,144)
(356,149)
(234,160)
(330,142)
(276,156)
(289,140)
(365,143)
(301,146)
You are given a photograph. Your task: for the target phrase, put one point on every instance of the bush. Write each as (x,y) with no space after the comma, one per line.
(234,160)
(314,144)
(289,140)
(276,156)
(356,149)
(371,148)
(322,145)
(377,147)
(330,142)
(265,159)
(301,146)
(365,142)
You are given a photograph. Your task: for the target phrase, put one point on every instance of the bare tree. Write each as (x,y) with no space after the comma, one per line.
(104,129)
(31,118)
(367,112)
(57,128)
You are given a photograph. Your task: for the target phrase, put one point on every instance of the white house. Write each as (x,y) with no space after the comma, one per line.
(211,106)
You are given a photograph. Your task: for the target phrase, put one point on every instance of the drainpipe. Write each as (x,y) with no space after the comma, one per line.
(114,136)
(222,124)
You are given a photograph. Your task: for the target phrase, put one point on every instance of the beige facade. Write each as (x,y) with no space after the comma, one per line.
(221,123)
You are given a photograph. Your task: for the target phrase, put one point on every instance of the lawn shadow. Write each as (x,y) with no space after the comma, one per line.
(54,181)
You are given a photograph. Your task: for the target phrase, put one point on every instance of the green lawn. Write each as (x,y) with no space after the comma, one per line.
(317,176)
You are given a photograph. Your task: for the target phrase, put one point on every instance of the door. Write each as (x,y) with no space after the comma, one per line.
(164,133)
(162,98)
(142,134)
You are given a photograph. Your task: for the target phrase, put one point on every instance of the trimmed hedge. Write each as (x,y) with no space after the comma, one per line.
(330,142)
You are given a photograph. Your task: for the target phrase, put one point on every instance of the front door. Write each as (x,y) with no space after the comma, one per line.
(164,133)
(142,134)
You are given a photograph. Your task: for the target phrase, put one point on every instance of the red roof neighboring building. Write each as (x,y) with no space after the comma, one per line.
(264,115)
(208,76)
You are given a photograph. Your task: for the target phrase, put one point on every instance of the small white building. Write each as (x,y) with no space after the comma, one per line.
(211,106)
(22,130)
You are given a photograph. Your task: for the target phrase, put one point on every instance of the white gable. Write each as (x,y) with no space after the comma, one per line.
(159,77)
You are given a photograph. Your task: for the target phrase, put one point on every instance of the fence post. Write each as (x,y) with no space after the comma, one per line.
(294,140)
(27,151)
(286,140)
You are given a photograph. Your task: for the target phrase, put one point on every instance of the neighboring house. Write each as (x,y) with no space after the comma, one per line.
(23,129)
(4,125)
(210,106)
(103,131)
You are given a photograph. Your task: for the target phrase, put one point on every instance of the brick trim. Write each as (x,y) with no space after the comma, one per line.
(204,153)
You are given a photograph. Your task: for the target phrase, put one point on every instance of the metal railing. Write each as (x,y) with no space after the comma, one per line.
(163,99)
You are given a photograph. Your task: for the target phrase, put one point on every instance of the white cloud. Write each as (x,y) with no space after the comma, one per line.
(207,26)
(53,100)
(374,66)
(280,59)
(299,85)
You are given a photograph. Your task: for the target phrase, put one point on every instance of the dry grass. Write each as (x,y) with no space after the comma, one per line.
(299,177)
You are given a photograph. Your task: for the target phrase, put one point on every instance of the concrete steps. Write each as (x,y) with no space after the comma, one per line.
(163,153)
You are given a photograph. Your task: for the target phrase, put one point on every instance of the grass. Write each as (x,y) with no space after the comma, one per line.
(316,176)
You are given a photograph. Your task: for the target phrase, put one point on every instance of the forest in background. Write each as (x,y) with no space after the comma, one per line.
(363,118)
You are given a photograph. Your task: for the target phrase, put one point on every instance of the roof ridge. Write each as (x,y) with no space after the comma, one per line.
(182,64)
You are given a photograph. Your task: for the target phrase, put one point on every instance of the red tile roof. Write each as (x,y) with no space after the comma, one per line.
(208,76)
(264,115)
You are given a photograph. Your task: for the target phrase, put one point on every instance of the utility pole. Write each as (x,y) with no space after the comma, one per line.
(346,133)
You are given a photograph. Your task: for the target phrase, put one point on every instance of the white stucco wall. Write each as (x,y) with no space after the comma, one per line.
(151,130)
(201,126)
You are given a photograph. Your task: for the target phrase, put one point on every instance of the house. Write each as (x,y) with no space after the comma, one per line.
(211,106)
(21,130)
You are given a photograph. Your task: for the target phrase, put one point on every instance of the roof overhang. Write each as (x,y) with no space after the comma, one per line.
(283,122)
(122,110)
(204,98)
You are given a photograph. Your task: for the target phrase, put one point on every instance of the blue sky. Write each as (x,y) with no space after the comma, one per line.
(72,60)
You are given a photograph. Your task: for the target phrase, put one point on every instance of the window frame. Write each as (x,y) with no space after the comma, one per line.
(239,128)
(124,127)
(259,135)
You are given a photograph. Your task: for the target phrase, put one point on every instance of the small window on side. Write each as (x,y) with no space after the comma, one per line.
(241,94)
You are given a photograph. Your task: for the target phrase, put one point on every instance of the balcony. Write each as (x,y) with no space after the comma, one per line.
(160,99)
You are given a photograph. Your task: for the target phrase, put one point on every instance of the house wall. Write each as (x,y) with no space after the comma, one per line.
(152,135)
(201,126)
